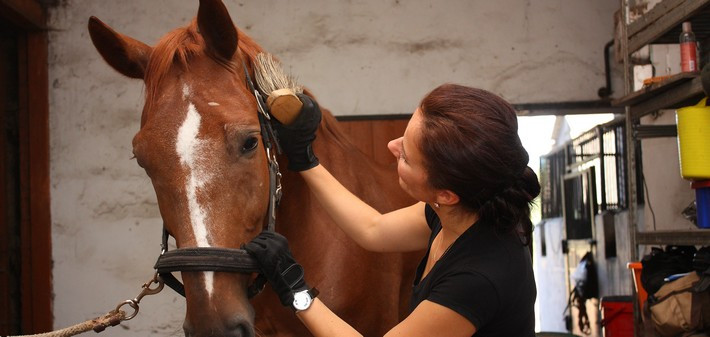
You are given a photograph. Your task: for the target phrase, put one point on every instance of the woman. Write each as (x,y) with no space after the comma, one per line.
(461,157)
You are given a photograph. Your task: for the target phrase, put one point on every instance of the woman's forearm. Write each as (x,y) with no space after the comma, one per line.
(321,321)
(352,215)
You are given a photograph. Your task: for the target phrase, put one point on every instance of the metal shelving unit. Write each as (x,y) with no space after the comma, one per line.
(659,25)
(662,24)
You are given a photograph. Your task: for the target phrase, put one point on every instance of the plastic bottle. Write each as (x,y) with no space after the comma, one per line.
(688,49)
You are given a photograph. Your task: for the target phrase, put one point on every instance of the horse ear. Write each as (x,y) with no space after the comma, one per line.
(217,28)
(127,55)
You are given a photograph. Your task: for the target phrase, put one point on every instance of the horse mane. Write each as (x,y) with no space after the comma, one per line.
(181,45)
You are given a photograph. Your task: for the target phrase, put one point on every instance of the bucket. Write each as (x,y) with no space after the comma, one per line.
(617,316)
(636,269)
(693,141)
(702,202)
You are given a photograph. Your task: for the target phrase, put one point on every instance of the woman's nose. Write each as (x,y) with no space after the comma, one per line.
(394,146)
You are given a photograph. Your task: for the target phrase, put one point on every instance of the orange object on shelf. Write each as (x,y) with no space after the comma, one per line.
(655,80)
(636,268)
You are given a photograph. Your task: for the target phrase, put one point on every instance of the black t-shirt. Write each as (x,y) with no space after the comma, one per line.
(486,276)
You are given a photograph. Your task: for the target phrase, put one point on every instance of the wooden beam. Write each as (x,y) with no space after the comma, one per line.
(35,233)
(25,14)
(41,237)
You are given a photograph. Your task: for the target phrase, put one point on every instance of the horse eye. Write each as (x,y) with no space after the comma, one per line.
(250,144)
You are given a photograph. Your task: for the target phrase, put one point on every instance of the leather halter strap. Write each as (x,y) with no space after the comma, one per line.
(228,259)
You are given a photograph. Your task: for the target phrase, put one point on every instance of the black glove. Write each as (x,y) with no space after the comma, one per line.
(296,138)
(271,251)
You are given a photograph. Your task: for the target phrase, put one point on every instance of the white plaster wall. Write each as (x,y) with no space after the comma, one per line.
(359,57)
(550,275)
(667,192)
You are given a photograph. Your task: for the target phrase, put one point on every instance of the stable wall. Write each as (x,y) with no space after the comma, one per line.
(358,57)
(667,193)
(553,292)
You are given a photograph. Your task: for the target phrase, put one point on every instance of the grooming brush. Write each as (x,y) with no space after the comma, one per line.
(280,87)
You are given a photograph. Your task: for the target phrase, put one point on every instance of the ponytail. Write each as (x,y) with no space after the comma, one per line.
(509,209)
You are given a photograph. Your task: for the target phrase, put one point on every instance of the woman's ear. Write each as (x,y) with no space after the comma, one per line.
(447,197)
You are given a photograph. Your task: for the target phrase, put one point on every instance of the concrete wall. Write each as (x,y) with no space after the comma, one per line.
(359,57)
(667,192)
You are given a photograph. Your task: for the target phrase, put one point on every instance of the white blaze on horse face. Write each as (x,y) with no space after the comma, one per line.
(185,91)
(188,148)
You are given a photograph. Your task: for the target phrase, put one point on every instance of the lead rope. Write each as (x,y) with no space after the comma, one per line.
(97,324)
(112,318)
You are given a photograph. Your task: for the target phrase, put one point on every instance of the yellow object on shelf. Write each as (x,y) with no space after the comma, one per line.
(694,141)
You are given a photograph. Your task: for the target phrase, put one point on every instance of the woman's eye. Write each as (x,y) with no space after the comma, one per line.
(250,144)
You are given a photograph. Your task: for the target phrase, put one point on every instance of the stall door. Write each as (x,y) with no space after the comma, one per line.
(578,212)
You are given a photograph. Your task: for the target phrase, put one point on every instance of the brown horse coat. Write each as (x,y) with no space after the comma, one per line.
(186,73)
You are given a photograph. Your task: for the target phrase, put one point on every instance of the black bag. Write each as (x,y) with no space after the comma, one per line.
(660,264)
(680,307)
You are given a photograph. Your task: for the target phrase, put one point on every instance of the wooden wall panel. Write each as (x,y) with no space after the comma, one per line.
(25,20)
(34,158)
(372,135)
(23,14)
(6,278)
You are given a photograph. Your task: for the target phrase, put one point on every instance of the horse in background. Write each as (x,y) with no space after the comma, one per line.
(200,144)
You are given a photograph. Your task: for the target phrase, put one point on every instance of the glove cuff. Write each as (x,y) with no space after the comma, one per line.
(305,161)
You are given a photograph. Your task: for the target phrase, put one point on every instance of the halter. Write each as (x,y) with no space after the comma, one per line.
(227,259)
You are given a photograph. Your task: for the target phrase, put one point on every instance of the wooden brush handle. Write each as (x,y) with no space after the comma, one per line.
(284,105)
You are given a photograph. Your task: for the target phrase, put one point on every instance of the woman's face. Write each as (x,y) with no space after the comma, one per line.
(410,163)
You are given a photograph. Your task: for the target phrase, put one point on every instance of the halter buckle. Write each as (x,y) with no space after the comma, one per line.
(260,104)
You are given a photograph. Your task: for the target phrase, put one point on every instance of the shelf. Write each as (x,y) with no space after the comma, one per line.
(681,95)
(662,24)
(653,89)
(677,91)
(687,237)
(655,131)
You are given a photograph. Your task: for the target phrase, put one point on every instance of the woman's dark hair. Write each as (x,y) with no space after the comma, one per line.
(471,146)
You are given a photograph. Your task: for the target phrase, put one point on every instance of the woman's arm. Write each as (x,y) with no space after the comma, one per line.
(321,321)
(433,319)
(397,231)
(271,251)
(428,319)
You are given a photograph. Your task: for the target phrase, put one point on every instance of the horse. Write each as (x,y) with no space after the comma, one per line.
(201,144)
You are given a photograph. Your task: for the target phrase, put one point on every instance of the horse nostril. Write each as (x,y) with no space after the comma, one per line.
(187,329)
(240,329)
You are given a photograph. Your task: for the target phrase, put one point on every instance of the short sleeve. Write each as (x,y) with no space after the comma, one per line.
(469,294)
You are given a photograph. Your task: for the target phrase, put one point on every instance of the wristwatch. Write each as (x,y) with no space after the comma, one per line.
(303,299)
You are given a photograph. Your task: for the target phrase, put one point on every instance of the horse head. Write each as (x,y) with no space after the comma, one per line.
(200,143)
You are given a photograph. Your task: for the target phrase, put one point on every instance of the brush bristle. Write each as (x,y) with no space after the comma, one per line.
(270,76)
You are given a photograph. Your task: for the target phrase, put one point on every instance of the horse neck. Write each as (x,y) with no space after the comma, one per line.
(375,183)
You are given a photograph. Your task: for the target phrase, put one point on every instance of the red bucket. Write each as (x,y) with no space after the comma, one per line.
(617,316)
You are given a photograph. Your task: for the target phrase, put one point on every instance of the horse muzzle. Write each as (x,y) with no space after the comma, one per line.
(230,328)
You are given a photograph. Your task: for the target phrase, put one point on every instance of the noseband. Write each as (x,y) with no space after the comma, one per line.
(233,260)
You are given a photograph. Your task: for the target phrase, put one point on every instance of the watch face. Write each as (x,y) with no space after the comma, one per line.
(302,300)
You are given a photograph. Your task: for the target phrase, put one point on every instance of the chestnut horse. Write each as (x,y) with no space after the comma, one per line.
(200,144)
